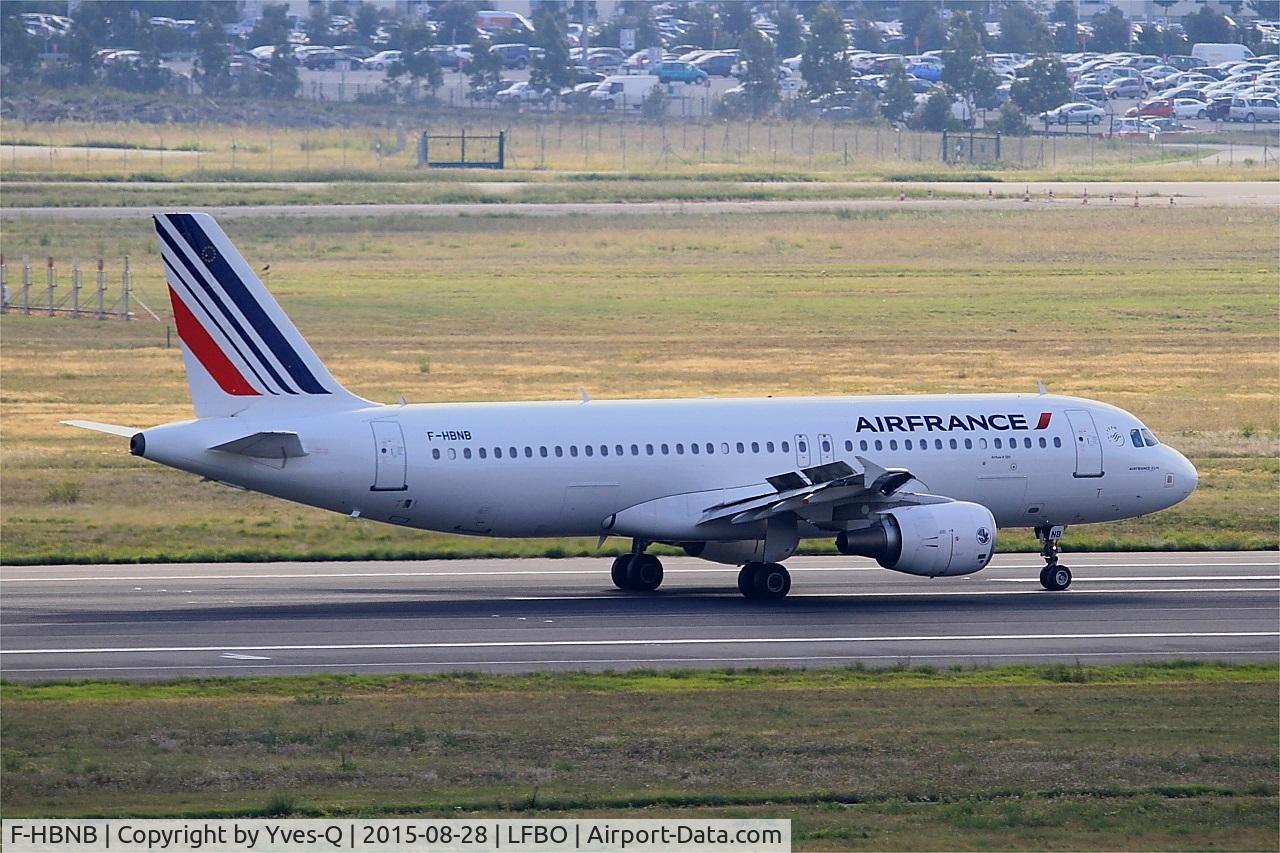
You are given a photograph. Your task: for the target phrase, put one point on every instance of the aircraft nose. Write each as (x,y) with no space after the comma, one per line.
(1185,475)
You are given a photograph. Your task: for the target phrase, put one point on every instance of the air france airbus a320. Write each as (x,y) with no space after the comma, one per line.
(919,483)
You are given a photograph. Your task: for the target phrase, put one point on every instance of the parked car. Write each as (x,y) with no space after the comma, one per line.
(355,51)
(524,93)
(681,72)
(1075,113)
(717,64)
(1219,108)
(1190,108)
(1156,107)
(1166,126)
(382,61)
(488,91)
(1125,87)
(513,55)
(1091,92)
(1132,127)
(1254,109)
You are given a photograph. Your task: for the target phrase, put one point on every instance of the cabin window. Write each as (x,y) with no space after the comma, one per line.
(982,443)
(906,444)
(724,447)
(589,450)
(528,452)
(693,447)
(711,448)
(1057,442)
(879,444)
(635,450)
(453,454)
(435,453)
(604,450)
(937,444)
(617,449)
(755,447)
(968,444)
(514,454)
(573,450)
(741,448)
(466,453)
(648,449)
(893,444)
(542,451)
(679,449)
(559,451)
(1026,442)
(483,453)
(826,446)
(848,446)
(952,444)
(1151,439)
(997,443)
(862,444)
(768,446)
(665,450)
(1136,437)
(802,446)
(786,447)
(497,453)
(1043,443)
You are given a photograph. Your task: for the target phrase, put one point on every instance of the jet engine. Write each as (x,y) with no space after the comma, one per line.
(734,553)
(933,540)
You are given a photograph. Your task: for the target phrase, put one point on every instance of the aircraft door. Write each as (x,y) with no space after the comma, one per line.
(390,460)
(802,450)
(1088,447)
(826,449)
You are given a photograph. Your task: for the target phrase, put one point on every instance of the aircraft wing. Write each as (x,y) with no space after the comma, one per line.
(818,491)
(110,429)
(265,445)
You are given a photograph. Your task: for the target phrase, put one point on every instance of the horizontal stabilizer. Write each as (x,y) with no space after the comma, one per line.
(111,429)
(265,445)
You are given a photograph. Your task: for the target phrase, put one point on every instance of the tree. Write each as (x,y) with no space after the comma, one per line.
(1066,25)
(1110,31)
(921,25)
(760,79)
(457,21)
(367,22)
(824,64)
(735,20)
(1206,26)
(1022,30)
(484,66)
(19,52)
(704,29)
(416,41)
(1012,121)
(1046,86)
(790,38)
(273,27)
(936,114)
(284,71)
(635,16)
(553,69)
(866,36)
(318,25)
(965,68)
(88,32)
(212,70)
(899,100)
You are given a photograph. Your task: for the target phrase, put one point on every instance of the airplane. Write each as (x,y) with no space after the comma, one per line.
(919,483)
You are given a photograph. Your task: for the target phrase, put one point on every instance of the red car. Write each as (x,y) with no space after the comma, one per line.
(1154,108)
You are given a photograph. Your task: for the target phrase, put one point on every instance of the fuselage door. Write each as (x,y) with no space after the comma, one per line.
(1088,447)
(390,460)
(826,449)
(802,450)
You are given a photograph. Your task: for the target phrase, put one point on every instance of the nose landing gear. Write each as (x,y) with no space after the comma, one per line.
(1053,576)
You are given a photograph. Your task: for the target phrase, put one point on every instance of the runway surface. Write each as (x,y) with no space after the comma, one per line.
(166,621)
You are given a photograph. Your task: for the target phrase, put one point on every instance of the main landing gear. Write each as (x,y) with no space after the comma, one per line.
(1053,576)
(766,581)
(637,571)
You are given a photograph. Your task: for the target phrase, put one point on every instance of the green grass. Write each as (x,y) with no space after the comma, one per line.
(1026,756)
(1167,313)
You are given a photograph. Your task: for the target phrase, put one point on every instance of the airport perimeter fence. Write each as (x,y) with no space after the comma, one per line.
(105,300)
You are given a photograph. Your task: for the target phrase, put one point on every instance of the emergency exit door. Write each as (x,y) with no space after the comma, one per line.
(390,461)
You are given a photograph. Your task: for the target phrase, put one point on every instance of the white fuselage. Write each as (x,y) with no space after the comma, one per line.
(569,468)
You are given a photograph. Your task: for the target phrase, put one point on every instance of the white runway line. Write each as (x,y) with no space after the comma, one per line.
(733,594)
(690,641)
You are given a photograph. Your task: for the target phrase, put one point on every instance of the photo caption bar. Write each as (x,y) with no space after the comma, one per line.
(418,836)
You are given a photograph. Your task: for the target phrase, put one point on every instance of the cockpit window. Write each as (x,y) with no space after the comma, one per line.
(1135,435)
(1151,439)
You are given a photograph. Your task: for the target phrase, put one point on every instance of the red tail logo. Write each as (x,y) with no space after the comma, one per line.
(1043,423)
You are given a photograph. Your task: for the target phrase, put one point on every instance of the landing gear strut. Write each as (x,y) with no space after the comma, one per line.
(1053,576)
(637,571)
(769,581)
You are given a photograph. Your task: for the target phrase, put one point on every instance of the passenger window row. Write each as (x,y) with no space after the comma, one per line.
(710,448)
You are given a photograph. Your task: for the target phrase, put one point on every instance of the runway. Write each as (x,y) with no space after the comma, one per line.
(173,620)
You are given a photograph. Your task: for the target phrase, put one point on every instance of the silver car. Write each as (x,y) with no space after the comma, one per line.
(1254,109)
(1076,113)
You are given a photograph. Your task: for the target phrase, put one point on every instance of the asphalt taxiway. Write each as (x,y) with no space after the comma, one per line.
(172,620)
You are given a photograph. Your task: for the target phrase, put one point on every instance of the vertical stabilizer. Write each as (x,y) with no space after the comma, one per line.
(240,349)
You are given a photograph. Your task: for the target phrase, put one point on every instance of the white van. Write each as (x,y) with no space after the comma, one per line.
(1212,54)
(624,90)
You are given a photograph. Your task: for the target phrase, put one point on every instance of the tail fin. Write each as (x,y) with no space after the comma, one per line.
(240,349)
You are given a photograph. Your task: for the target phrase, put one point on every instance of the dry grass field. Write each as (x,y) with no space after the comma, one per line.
(1168,313)
(1057,757)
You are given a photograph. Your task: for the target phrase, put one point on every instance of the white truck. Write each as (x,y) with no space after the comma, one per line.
(1215,53)
(624,91)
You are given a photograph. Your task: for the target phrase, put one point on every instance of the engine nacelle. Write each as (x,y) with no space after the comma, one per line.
(734,553)
(933,540)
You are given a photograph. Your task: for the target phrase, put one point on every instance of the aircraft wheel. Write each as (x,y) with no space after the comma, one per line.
(771,582)
(1055,578)
(619,571)
(747,579)
(644,574)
